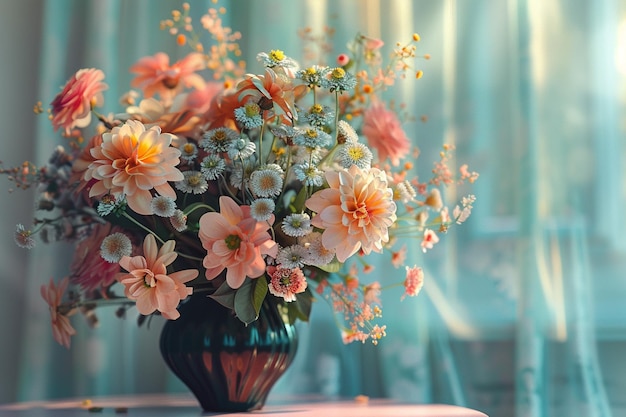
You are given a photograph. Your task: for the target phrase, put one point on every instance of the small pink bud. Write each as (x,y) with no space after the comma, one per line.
(371,44)
(342,60)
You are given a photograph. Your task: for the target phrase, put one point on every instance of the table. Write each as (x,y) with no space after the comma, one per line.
(168,405)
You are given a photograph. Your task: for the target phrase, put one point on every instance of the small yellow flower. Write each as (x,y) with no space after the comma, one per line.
(277,55)
(338,73)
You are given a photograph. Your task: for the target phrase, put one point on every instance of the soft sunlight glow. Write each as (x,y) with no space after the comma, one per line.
(620,49)
(456,321)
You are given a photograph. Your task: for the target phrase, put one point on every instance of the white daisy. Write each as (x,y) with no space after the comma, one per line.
(309,174)
(241,148)
(188,152)
(355,153)
(297,224)
(293,256)
(212,167)
(23,237)
(266,182)
(345,132)
(193,182)
(179,220)
(115,246)
(218,140)
(317,254)
(163,206)
(262,209)
(406,192)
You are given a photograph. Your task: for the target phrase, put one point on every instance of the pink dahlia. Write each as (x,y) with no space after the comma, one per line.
(155,75)
(132,161)
(88,268)
(384,133)
(235,241)
(72,106)
(355,211)
(62,330)
(148,282)
(286,282)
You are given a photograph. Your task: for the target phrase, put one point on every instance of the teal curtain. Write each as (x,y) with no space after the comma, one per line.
(522,312)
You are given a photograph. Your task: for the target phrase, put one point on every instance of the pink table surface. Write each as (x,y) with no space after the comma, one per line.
(166,405)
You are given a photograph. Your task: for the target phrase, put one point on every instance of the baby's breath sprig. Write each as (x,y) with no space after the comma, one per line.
(223,57)
(317,47)
(24,176)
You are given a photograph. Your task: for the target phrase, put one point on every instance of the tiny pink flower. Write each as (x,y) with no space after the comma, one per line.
(286,283)
(353,335)
(413,282)
(148,283)
(342,60)
(371,293)
(62,330)
(71,108)
(377,333)
(429,239)
(371,44)
(398,258)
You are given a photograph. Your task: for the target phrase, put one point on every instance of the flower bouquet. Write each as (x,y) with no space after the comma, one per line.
(249,189)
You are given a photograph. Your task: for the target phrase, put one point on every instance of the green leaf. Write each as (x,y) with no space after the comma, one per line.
(260,291)
(224,295)
(244,309)
(333,267)
(298,203)
(301,308)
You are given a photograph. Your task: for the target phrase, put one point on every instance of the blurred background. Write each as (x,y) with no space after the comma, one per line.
(522,312)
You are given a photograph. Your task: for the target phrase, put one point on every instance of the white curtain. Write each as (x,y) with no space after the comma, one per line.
(522,311)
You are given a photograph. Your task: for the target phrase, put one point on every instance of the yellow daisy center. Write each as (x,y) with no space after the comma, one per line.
(219,136)
(277,55)
(356,153)
(252,109)
(338,73)
(317,109)
(193,180)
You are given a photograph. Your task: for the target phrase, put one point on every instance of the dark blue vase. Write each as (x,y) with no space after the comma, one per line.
(227,365)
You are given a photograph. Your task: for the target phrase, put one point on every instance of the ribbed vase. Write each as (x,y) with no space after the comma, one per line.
(227,365)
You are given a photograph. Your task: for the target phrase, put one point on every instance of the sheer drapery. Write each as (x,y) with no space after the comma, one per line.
(522,310)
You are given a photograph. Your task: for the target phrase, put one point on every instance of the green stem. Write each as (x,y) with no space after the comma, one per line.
(335,144)
(386,287)
(243,180)
(193,258)
(199,206)
(129,217)
(133,220)
(261,139)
